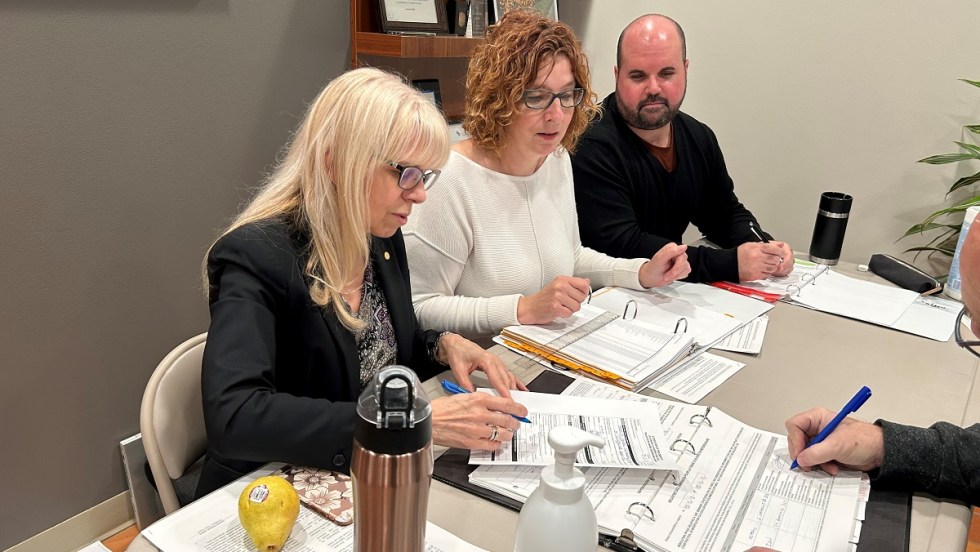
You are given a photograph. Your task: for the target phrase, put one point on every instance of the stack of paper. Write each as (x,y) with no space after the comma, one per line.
(626,353)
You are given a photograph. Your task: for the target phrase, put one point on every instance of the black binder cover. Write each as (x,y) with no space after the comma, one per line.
(888,517)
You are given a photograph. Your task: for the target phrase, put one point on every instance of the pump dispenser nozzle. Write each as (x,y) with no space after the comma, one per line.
(567,441)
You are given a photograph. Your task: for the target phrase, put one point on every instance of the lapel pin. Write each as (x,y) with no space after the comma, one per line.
(387,256)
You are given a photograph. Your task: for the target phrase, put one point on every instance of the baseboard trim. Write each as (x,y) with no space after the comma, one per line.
(98,522)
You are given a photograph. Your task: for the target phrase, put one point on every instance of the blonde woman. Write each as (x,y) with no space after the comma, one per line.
(499,243)
(309,292)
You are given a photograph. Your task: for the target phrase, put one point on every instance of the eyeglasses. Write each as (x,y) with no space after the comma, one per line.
(542,99)
(409,177)
(968,345)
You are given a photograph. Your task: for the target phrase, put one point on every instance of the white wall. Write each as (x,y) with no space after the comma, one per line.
(809,97)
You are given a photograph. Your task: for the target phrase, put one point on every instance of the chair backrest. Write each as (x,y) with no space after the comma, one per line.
(172,417)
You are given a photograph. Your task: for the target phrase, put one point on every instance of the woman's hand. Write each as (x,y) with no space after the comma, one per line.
(559,299)
(476,421)
(666,265)
(465,357)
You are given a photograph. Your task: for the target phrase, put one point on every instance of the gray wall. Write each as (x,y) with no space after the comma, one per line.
(130,131)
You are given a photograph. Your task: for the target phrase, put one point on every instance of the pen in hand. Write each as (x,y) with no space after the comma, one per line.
(456,390)
(855,403)
(755,230)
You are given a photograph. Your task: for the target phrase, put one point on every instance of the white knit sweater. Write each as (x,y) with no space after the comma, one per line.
(483,239)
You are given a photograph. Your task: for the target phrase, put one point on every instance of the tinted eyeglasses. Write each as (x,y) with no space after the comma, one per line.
(542,99)
(409,177)
(968,345)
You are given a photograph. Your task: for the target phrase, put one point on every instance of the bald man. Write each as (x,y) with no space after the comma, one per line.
(943,460)
(646,170)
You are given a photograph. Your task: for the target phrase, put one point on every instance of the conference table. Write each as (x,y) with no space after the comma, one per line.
(809,358)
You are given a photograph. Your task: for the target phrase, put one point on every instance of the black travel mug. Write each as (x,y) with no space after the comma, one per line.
(828,230)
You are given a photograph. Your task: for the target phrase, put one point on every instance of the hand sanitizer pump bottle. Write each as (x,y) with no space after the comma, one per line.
(558,517)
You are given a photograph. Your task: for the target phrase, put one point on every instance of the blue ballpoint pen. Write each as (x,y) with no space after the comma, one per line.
(862,395)
(456,390)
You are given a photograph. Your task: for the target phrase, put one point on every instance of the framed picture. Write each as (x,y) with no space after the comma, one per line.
(547,8)
(429,89)
(413,16)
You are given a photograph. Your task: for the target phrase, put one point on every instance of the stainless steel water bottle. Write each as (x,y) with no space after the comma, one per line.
(828,230)
(392,463)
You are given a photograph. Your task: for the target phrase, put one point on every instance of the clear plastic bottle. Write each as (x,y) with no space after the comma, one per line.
(558,517)
(953,283)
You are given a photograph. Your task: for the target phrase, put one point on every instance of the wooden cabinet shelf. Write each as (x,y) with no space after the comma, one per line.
(442,58)
(402,46)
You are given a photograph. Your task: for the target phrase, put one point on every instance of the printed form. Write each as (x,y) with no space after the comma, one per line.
(633,433)
(735,489)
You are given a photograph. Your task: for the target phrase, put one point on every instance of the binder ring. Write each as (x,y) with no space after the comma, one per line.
(589,298)
(704,420)
(793,289)
(678,324)
(626,309)
(687,446)
(648,511)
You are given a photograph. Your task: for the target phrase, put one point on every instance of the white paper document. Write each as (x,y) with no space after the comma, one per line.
(692,380)
(628,353)
(931,317)
(632,431)
(211,524)
(743,309)
(748,338)
(803,273)
(705,326)
(859,299)
(735,489)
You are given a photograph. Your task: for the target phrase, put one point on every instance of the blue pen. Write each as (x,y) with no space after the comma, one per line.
(852,405)
(456,390)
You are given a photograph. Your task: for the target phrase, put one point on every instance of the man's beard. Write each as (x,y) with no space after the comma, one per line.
(637,118)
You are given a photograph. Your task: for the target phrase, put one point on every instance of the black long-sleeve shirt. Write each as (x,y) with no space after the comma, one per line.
(942,460)
(630,206)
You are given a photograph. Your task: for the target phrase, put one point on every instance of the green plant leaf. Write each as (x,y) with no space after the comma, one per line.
(973,128)
(965,181)
(949,158)
(948,252)
(974,83)
(922,228)
(962,206)
(971,147)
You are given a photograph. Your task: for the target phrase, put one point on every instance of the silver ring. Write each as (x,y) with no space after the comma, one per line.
(493,432)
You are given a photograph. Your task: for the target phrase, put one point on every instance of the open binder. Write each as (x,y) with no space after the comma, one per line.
(887,517)
(606,346)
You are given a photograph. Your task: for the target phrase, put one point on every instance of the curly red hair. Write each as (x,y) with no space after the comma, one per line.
(507,63)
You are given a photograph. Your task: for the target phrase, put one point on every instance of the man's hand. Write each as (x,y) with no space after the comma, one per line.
(854,445)
(559,299)
(757,260)
(666,265)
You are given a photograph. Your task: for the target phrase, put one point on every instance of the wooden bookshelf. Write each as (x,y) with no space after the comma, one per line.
(442,57)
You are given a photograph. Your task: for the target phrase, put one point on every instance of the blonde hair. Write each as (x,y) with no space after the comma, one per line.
(357,124)
(507,63)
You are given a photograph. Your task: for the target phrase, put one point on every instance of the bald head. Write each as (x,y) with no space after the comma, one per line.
(648,28)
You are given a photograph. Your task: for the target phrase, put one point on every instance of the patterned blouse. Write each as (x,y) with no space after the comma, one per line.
(376,346)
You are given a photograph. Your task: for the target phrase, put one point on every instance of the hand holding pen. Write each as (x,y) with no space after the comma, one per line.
(835,440)
(764,258)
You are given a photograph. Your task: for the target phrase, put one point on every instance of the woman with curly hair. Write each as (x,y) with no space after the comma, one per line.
(497,243)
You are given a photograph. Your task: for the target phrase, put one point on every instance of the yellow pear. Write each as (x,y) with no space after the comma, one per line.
(268,508)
